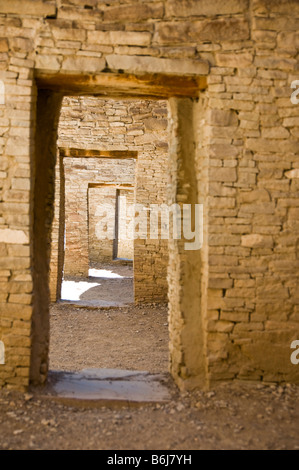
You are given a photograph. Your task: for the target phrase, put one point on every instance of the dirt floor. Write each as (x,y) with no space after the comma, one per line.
(130,337)
(232,416)
(107,285)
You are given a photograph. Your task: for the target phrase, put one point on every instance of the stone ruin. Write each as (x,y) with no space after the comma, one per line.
(214,84)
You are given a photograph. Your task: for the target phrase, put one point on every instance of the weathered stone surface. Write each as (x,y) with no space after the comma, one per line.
(223,174)
(277,6)
(138,64)
(119,37)
(223,30)
(48,62)
(241,60)
(83,64)
(211,30)
(222,117)
(187,8)
(134,12)
(257,241)
(13,236)
(292,173)
(28,7)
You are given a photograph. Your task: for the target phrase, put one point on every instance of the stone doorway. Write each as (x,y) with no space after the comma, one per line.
(83,268)
(187,363)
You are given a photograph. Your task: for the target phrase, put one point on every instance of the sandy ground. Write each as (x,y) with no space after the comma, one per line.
(133,338)
(110,285)
(233,416)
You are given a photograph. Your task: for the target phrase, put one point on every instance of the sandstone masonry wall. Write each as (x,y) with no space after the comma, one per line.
(233,307)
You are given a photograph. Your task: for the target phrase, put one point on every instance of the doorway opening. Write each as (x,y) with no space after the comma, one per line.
(83,233)
(95,200)
(187,363)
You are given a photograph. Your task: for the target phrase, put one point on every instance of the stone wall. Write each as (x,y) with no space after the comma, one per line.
(226,68)
(101,206)
(125,241)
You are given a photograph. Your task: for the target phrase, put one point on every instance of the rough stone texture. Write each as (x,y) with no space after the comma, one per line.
(241,314)
(100,202)
(125,245)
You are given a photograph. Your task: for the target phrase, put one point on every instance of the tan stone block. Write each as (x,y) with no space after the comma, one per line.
(218,283)
(277,6)
(124,38)
(236,317)
(23,372)
(255,240)
(272,289)
(187,8)
(83,64)
(251,326)
(5,273)
(18,287)
(15,263)
(173,32)
(263,208)
(15,341)
(69,34)
(20,183)
(221,326)
(277,132)
(223,260)
(288,39)
(28,7)
(272,357)
(20,44)
(245,283)
(213,314)
(240,60)
(291,121)
(139,64)
(48,62)
(222,202)
(223,174)
(292,173)
(16,383)
(21,361)
(3,45)
(3,296)
(275,63)
(236,29)
(134,12)
(154,124)
(222,117)
(216,303)
(13,236)
(224,240)
(260,195)
(25,299)
(241,292)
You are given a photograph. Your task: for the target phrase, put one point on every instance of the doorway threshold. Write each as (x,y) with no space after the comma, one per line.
(108,387)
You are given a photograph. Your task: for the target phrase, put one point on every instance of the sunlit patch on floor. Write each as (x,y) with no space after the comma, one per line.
(107,285)
(104,273)
(72,290)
